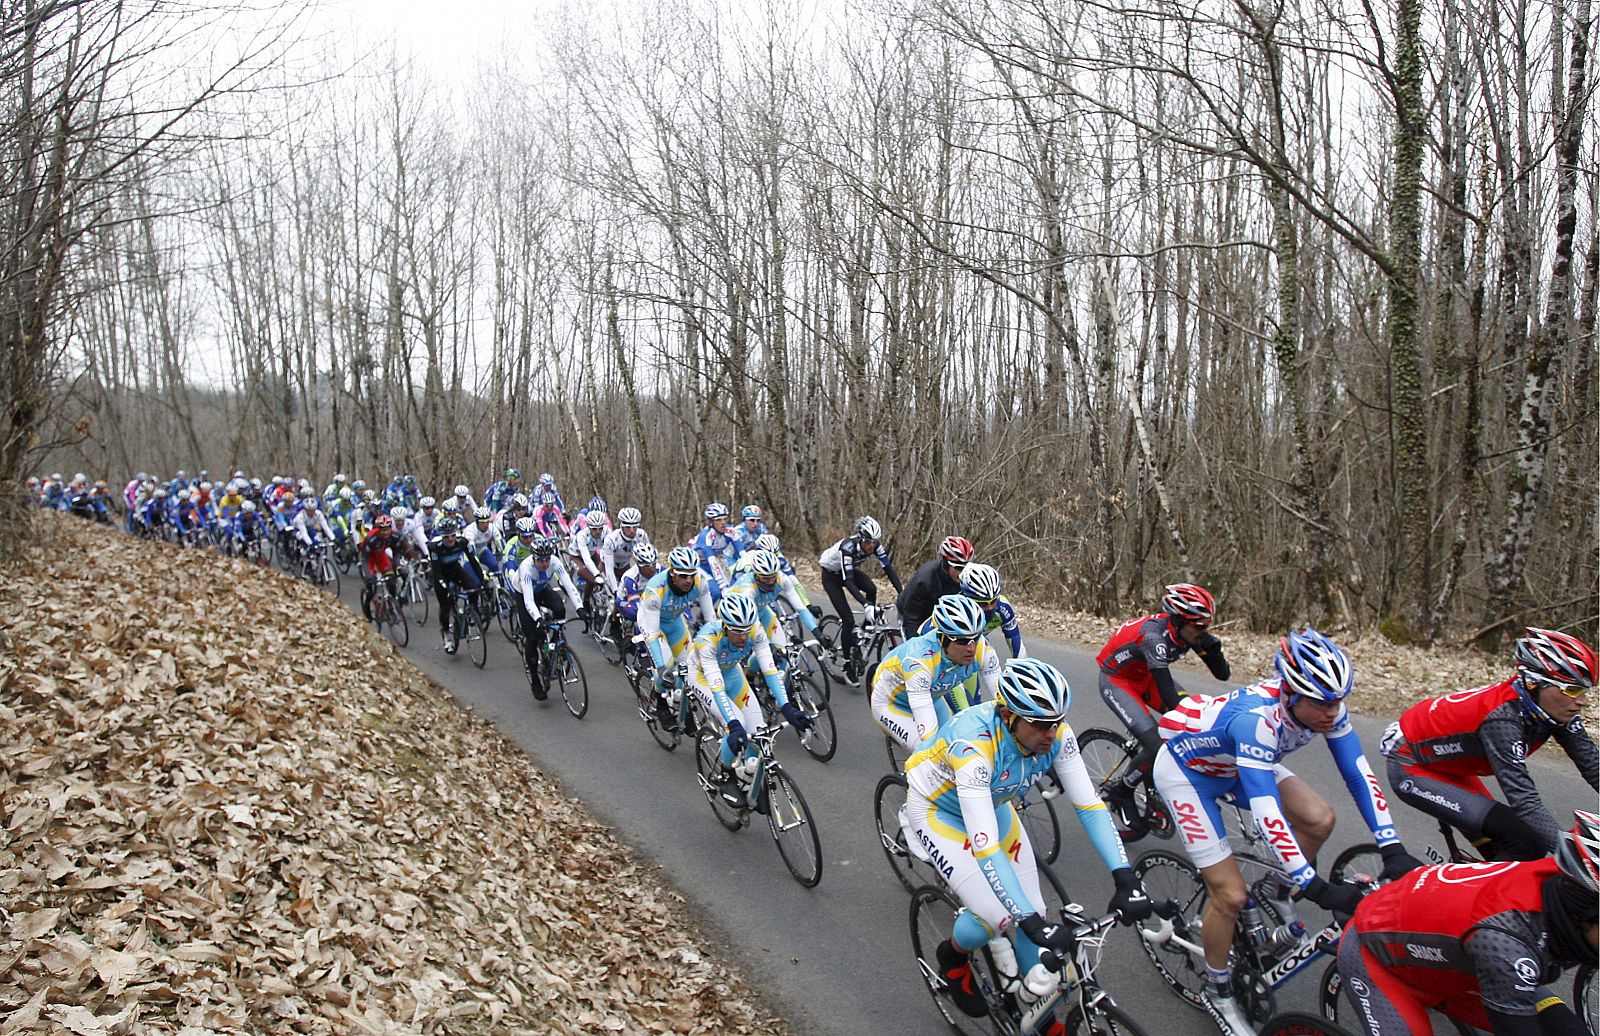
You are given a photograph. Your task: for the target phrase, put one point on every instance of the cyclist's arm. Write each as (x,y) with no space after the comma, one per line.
(566,585)
(1506,750)
(708,610)
(1074,778)
(797,600)
(762,652)
(705,662)
(919,697)
(1209,650)
(1575,741)
(1258,787)
(888,569)
(1359,779)
(650,626)
(1011,627)
(973,770)
(1511,995)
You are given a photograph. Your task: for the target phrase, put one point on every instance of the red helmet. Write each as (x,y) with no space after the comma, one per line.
(1190,603)
(1548,656)
(383,523)
(1578,851)
(956,550)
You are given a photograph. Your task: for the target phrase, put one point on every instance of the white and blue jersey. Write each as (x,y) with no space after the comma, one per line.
(744,539)
(716,549)
(1230,747)
(916,689)
(661,615)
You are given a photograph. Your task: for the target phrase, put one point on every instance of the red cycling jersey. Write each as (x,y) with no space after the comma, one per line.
(1443,733)
(1128,656)
(377,551)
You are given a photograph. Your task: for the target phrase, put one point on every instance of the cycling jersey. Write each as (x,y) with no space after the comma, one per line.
(718,673)
(312,526)
(228,505)
(585,547)
(964,780)
(661,614)
(922,591)
(497,496)
(1229,746)
(744,538)
(1458,938)
(616,553)
(531,579)
(376,551)
(717,553)
(786,587)
(629,587)
(1136,658)
(1484,732)
(1002,617)
(460,506)
(916,688)
(845,556)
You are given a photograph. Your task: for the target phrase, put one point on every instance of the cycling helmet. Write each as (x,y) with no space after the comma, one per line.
(512,473)
(715,510)
(248,507)
(409,480)
(956,550)
(463,491)
(1578,851)
(448,526)
(359,485)
(868,527)
(481,514)
(597,503)
(547,479)
(596,519)
(751,512)
(683,560)
(383,523)
(345,493)
(338,479)
(399,513)
(255,483)
(206,486)
(369,496)
(312,503)
(544,547)
(161,493)
(1190,603)
(1309,663)
(1034,689)
(629,516)
(429,501)
(302,483)
(645,556)
(239,473)
(765,565)
(1549,656)
(519,500)
(304,493)
(980,582)
(957,616)
(738,613)
(527,527)
(183,494)
(767,541)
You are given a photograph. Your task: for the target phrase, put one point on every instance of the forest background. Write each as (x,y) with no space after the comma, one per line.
(1293,298)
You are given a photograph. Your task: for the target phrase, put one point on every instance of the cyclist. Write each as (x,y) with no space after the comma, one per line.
(585,546)
(580,520)
(621,545)
(248,527)
(936,579)
(1135,680)
(428,514)
(507,518)
(376,552)
(453,562)
(1440,750)
(982,583)
(497,496)
(538,577)
(311,525)
(461,503)
(716,548)
(717,660)
(764,581)
(1230,747)
(662,606)
(331,493)
(1477,942)
(920,684)
(634,580)
(960,809)
(840,565)
(412,536)
(751,528)
(485,538)
(548,510)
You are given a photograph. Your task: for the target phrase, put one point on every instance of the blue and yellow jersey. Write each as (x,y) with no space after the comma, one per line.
(785,586)
(718,667)
(663,608)
(1003,618)
(917,680)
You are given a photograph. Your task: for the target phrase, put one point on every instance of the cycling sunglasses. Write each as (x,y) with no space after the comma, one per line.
(962,641)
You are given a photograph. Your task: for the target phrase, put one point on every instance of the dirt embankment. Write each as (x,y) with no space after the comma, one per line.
(228,806)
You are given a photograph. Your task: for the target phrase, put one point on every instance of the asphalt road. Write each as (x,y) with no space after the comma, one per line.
(837,959)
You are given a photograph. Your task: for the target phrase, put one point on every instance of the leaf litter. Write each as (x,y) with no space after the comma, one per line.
(229,807)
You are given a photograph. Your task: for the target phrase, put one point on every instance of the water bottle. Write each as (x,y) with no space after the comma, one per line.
(1285,937)
(1255,926)
(1005,962)
(1037,998)
(746,766)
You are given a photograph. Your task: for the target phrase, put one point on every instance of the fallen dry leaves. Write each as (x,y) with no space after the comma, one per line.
(229,807)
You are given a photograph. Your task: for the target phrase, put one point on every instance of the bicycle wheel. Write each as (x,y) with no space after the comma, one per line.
(417,595)
(883,642)
(806,661)
(1298,1023)
(611,644)
(822,740)
(1038,815)
(793,828)
(1586,996)
(897,754)
(1358,865)
(933,915)
(473,635)
(330,576)
(829,635)
(1169,876)
(568,672)
(1102,1019)
(1105,754)
(395,626)
(887,801)
(666,738)
(707,764)
(505,616)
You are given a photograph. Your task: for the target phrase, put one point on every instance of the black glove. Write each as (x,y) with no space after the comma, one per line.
(797,719)
(1047,935)
(1339,900)
(815,610)
(737,738)
(1398,862)
(1130,902)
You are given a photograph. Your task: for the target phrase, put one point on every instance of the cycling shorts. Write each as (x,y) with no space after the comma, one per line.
(943,837)
(1195,802)
(1386,1005)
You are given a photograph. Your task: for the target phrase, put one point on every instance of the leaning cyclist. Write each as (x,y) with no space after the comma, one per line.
(1230,747)
(841,570)
(1440,750)
(1135,680)
(717,660)
(453,563)
(934,580)
(666,601)
(538,578)
(960,809)
(1478,943)
(921,683)
(376,553)
(762,578)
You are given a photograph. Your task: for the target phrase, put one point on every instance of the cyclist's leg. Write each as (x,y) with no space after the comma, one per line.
(1309,815)
(1465,804)
(1384,1006)
(941,833)
(833,586)
(1129,707)
(441,576)
(1192,798)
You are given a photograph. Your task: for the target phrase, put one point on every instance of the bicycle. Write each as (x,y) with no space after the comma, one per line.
(504,601)
(612,633)
(317,568)
(822,740)
(1299,1023)
(875,638)
(768,790)
(1078,1001)
(808,658)
(467,626)
(344,553)
(1263,959)
(414,589)
(559,666)
(685,705)
(388,617)
(1108,754)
